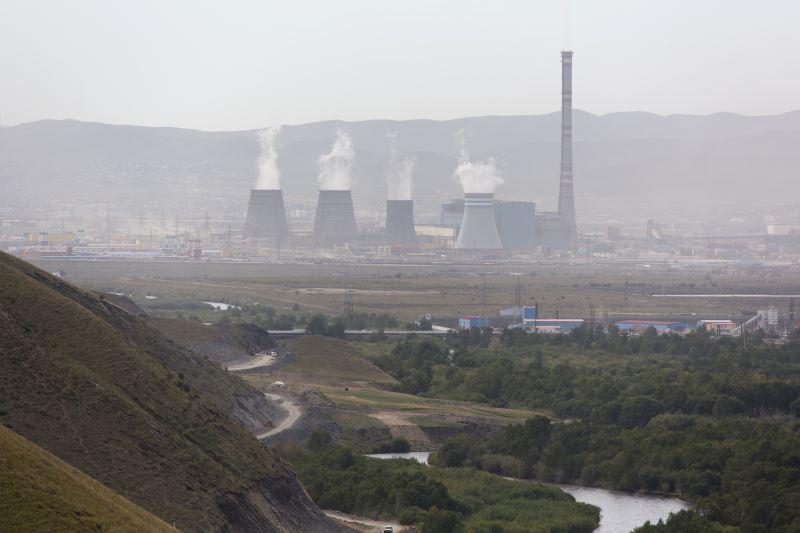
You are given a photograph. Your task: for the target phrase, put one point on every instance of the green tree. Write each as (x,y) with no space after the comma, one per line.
(317,324)
(440,521)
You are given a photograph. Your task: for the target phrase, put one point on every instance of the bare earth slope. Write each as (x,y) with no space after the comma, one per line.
(108,394)
(41,493)
(222,343)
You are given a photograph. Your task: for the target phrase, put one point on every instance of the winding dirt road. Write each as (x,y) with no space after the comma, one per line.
(293,414)
(259,360)
(364,524)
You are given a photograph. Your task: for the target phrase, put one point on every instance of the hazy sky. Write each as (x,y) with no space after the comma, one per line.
(246,64)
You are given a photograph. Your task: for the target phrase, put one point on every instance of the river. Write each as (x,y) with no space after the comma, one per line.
(620,512)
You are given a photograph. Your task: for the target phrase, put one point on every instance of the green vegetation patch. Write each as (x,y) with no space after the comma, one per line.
(435,499)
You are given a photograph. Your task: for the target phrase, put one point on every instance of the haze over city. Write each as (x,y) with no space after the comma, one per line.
(418,267)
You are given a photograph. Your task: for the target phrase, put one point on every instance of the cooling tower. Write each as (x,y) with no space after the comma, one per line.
(335,220)
(266,216)
(400,222)
(479,227)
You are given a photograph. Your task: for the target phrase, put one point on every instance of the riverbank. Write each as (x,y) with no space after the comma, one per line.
(619,511)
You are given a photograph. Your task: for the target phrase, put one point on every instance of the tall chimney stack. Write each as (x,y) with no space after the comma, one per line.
(566,197)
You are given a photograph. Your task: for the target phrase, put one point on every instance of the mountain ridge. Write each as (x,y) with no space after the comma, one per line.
(717,156)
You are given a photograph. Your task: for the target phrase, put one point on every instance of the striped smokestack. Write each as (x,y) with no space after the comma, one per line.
(566,198)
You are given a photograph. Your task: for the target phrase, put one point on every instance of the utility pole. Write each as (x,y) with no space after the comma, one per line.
(347,304)
(517,297)
(483,296)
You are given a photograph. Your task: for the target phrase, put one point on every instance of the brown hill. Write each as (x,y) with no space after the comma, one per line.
(107,393)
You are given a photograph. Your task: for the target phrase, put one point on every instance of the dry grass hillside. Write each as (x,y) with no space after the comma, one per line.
(41,493)
(108,394)
(329,361)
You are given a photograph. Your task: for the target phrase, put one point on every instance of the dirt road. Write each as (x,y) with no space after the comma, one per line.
(400,426)
(365,524)
(259,360)
(293,414)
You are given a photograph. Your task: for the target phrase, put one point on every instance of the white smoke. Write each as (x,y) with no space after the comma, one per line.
(477,177)
(269,177)
(335,167)
(398,176)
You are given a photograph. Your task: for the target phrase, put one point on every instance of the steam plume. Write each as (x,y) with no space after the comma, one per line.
(398,177)
(335,166)
(477,177)
(269,177)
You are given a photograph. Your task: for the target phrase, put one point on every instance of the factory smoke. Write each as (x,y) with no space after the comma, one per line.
(400,172)
(476,177)
(269,177)
(335,167)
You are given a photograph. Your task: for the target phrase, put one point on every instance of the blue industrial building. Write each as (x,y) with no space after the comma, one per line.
(661,326)
(473,321)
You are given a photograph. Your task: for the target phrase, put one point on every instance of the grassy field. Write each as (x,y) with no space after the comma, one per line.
(326,361)
(41,493)
(443,290)
(388,400)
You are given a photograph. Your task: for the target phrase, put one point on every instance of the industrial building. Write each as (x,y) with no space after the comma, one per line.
(552,325)
(266,216)
(516,223)
(718,327)
(452,213)
(661,326)
(335,220)
(473,321)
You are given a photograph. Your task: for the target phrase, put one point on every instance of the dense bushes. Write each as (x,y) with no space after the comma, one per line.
(436,500)
(412,362)
(742,471)
(706,418)
(610,379)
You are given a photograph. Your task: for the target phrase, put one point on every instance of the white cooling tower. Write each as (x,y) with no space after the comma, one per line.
(479,226)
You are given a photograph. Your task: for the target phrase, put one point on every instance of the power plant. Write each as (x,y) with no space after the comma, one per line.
(266,216)
(400,222)
(335,221)
(477,222)
(479,226)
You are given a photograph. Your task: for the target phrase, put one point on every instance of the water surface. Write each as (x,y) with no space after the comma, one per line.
(620,512)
